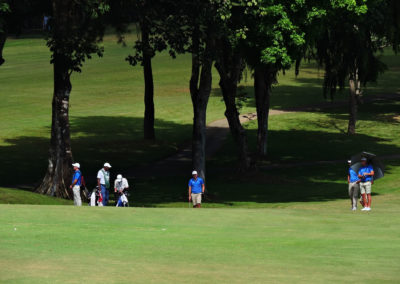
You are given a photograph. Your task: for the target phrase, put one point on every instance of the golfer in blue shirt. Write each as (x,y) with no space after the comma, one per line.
(196,189)
(76,184)
(366,175)
(354,186)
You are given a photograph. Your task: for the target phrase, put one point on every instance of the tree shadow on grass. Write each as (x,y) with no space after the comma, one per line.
(288,183)
(118,141)
(379,111)
(308,184)
(96,139)
(296,145)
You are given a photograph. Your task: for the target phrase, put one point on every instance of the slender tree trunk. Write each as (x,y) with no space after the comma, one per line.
(355,92)
(230,67)
(200,89)
(264,77)
(3,37)
(148,125)
(59,172)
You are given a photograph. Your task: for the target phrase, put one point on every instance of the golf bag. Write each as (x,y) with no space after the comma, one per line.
(96,198)
(123,200)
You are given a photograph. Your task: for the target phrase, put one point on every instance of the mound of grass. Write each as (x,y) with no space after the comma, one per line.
(17,196)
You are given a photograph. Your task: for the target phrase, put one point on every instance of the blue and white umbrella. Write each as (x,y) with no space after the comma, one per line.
(372,159)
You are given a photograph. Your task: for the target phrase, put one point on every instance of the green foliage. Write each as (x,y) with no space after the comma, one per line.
(4,9)
(4,6)
(352,35)
(76,29)
(357,6)
(269,32)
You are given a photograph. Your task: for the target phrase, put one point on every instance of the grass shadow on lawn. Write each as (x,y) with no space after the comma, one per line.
(255,188)
(96,139)
(118,140)
(293,145)
(380,111)
(230,190)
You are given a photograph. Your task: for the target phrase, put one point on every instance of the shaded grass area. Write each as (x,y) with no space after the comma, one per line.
(96,139)
(316,243)
(264,188)
(106,108)
(106,122)
(313,136)
(294,138)
(257,189)
(306,89)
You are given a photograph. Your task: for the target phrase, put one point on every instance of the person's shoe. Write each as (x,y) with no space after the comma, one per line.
(364,209)
(368,209)
(354,208)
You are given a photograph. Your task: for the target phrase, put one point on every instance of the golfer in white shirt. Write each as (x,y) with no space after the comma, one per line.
(120,185)
(103,182)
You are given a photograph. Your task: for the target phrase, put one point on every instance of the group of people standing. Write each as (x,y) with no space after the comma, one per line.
(361,182)
(100,196)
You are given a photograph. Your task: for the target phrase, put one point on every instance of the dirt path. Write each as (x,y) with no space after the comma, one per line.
(218,131)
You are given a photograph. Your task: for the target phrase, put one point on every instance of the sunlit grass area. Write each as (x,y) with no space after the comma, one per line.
(305,243)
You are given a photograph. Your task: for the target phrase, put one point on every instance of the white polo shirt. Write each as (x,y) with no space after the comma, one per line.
(121,185)
(100,175)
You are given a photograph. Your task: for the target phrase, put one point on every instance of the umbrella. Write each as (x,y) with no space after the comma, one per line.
(372,159)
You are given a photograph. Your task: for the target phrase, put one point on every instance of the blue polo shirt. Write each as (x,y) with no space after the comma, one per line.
(353,175)
(367,169)
(78,176)
(196,185)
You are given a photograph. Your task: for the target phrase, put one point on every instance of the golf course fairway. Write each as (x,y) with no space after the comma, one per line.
(317,242)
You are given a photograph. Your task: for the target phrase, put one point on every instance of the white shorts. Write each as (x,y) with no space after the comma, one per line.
(196,198)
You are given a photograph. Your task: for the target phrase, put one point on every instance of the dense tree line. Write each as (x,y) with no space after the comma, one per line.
(264,36)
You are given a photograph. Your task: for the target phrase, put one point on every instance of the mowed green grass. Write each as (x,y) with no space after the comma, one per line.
(307,243)
(291,225)
(18,196)
(107,106)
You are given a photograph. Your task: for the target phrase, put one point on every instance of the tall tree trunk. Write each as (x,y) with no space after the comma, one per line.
(148,125)
(200,89)
(355,92)
(230,66)
(59,171)
(3,37)
(264,77)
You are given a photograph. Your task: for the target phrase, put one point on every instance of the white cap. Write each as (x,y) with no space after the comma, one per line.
(107,165)
(119,177)
(194,173)
(76,165)
(349,161)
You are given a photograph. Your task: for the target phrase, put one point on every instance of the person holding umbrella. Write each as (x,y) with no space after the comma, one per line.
(354,186)
(366,175)
(196,189)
